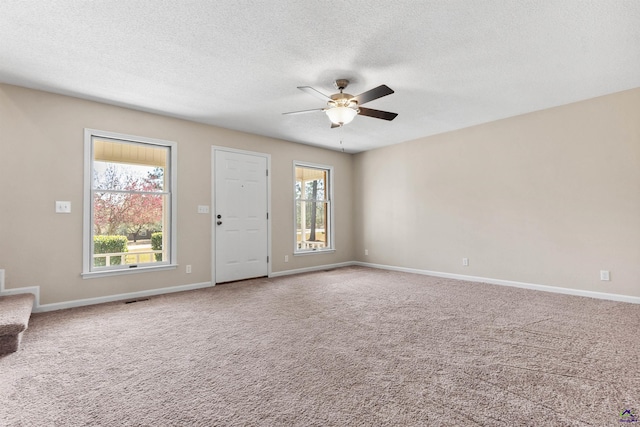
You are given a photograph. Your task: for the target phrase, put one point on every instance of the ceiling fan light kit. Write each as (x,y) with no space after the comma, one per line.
(341,115)
(342,107)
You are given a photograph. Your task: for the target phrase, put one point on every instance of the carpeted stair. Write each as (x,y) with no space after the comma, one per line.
(15,311)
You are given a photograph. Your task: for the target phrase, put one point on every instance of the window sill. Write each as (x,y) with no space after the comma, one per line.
(316,252)
(105,273)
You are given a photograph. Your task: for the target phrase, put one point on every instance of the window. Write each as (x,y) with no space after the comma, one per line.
(129,219)
(313,211)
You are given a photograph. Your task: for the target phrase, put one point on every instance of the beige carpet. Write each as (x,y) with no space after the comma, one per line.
(353,346)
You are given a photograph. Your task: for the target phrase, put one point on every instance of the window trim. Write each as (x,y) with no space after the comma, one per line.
(87,227)
(331,216)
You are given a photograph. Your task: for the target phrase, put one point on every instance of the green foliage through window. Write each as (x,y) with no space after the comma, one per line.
(107,245)
(156,244)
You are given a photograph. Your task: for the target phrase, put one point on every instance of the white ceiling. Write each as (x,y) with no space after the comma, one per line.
(236,64)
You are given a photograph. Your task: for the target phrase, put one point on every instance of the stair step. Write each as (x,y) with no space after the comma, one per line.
(15,311)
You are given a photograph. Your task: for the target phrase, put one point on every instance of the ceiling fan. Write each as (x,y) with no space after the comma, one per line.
(343,107)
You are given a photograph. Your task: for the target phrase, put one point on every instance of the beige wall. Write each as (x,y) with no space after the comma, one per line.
(41,161)
(549,198)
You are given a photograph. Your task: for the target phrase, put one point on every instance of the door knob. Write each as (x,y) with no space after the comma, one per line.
(219,216)
(219,222)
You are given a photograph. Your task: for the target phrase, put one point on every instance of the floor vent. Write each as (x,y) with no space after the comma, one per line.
(136,300)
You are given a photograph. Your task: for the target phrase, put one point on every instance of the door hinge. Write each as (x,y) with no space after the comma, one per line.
(267,215)
(267,259)
(267,172)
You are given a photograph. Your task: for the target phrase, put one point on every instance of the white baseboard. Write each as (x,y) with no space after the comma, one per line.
(119,297)
(310,269)
(533,286)
(35,290)
(38,308)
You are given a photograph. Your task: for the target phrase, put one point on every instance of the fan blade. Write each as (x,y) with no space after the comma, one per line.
(305,111)
(333,125)
(375,93)
(385,115)
(313,92)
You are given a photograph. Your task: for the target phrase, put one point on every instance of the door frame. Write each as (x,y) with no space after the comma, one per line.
(214,149)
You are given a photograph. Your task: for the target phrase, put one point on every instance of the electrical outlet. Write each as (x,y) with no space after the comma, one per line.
(189,269)
(465,262)
(286,258)
(366,252)
(604,275)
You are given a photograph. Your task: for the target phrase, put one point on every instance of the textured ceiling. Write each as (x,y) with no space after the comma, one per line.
(236,64)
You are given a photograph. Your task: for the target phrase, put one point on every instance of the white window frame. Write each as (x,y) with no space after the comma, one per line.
(87,233)
(330,216)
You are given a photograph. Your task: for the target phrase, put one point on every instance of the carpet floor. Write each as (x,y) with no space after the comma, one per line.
(349,347)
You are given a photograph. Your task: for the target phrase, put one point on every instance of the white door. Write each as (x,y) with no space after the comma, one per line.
(240,216)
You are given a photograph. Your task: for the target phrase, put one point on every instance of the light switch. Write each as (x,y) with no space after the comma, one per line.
(63,207)
(203,209)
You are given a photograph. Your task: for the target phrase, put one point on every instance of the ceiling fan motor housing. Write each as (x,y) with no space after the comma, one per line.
(343,100)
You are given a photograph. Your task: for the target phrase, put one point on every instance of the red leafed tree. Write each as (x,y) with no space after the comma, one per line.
(123,203)
(142,210)
(108,213)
